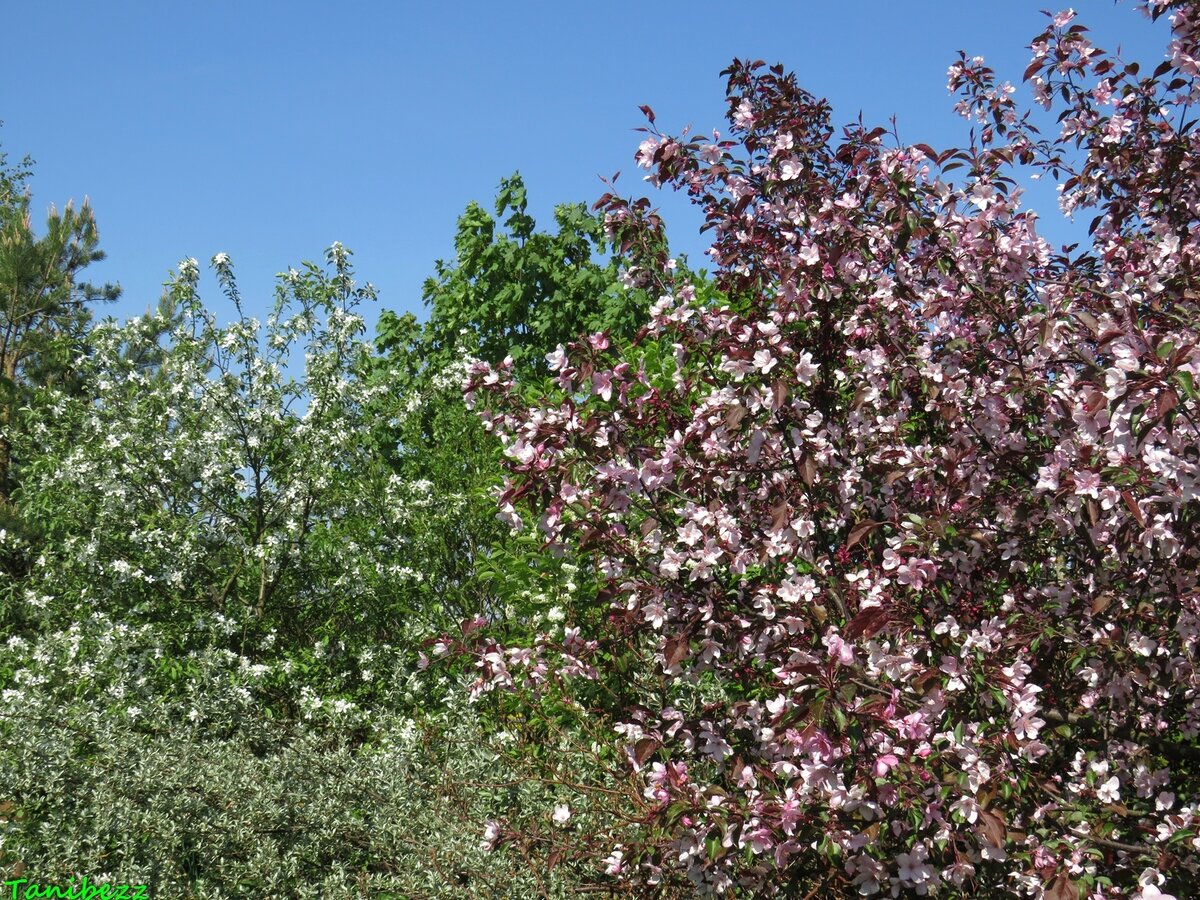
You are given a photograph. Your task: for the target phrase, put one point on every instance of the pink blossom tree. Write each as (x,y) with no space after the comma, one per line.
(898,530)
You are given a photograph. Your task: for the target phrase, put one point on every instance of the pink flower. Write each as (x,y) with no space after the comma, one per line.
(1151,892)
(646,150)
(967,808)
(982,195)
(764,361)
(913,870)
(839,650)
(1118,126)
(758,839)
(743,116)
(1149,881)
(885,763)
(805,368)
(791,168)
(602,384)
(809,254)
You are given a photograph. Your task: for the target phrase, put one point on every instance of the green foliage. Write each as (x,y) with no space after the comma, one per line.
(514,291)
(12,184)
(210,679)
(510,291)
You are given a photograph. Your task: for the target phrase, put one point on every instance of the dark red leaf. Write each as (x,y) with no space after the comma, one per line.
(1165,402)
(734,416)
(1133,508)
(675,651)
(780,515)
(643,748)
(808,469)
(867,623)
(590,536)
(1062,888)
(860,531)
(992,826)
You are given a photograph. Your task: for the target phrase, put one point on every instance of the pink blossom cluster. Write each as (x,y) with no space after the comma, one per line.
(914,494)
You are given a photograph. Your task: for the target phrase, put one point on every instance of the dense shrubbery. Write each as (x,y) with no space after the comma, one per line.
(867,566)
(131,763)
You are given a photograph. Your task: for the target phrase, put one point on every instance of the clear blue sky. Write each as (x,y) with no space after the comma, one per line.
(269,130)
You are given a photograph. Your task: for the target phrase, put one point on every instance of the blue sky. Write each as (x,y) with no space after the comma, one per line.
(269,130)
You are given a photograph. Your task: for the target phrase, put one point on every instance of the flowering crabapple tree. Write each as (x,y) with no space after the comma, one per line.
(208,470)
(900,529)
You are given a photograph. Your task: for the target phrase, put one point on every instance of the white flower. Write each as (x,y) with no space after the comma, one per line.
(562,814)
(491,833)
(1149,880)
(1109,792)
(189,269)
(1142,645)
(614,863)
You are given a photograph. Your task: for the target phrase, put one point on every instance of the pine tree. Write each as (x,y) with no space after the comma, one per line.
(44,308)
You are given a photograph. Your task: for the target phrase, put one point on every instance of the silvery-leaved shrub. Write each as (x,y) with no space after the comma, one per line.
(122,769)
